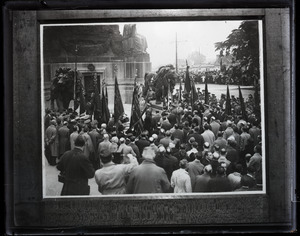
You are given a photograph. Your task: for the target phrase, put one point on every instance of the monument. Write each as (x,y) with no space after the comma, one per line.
(94,51)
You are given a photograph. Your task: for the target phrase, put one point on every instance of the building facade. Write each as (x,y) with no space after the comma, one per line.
(99,50)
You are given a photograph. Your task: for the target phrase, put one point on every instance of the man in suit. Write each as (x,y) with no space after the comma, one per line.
(77,169)
(148,177)
(50,142)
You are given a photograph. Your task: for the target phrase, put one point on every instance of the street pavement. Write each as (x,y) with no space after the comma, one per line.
(53,188)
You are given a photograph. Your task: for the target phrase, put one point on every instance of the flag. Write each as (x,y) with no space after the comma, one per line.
(79,102)
(228,102)
(206,98)
(97,100)
(118,104)
(187,83)
(104,107)
(194,93)
(243,109)
(136,122)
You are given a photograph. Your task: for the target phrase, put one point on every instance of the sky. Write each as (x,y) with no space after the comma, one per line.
(191,36)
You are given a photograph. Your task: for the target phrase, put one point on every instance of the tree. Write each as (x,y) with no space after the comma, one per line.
(243,45)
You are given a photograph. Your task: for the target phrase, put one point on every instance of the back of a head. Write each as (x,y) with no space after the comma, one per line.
(208,169)
(148,153)
(106,156)
(258,149)
(183,164)
(220,171)
(79,141)
(239,168)
(106,137)
(250,169)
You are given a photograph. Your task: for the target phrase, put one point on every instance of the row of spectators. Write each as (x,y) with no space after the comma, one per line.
(180,149)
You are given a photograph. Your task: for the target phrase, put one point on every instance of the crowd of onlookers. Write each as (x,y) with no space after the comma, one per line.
(217,77)
(181,149)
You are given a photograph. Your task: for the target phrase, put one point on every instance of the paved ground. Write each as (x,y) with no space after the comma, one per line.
(53,188)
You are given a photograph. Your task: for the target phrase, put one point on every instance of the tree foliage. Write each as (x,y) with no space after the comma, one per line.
(243,45)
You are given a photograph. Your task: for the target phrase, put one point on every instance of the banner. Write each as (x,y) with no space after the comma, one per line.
(228,103)
(118,104)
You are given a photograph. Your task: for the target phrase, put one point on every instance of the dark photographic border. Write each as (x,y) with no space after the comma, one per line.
(27,210)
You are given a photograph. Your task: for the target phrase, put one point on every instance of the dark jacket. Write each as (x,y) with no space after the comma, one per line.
(77,170)
(168,162)
(219,184)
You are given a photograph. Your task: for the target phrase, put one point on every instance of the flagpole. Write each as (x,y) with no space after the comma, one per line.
(75,77)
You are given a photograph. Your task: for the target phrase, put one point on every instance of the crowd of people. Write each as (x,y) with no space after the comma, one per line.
(218,77)
(181,149)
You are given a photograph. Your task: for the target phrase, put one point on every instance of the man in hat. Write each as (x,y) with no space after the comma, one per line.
(256,162)
(195,168)
(235,177)
(201,181)
(231,148)
(229,130)
(125,150)
(166,140)
(73,137)
(192,152)
(165,124)
(148,177)
(172,118)
(177,133)
(50,143)
(181,154)
(112,177)
(77,169)
(186,129)
(135,148)
(104,146)
(220,183)
(180,179)
(95,137)
(63,139)
(156,118)
(165,160)
(142,142)
(208,135)
(215,126)
(248,181)
(220,141)
(244,138)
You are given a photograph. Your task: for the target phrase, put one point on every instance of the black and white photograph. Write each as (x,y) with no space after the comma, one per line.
(153,108)
(129,117)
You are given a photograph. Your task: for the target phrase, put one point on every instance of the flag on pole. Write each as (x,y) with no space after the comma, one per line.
(79,103)
(228,102)
(194,94)
(97,100)
(206,97)
(136,123)
(104,107)
(187,83)
(243,109)
(118,104)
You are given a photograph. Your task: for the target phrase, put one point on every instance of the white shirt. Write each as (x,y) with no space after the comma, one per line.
(181,181)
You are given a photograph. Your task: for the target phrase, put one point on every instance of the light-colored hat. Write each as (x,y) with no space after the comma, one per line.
(115,139)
